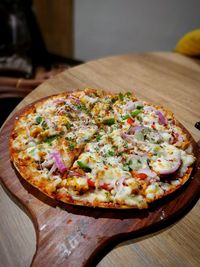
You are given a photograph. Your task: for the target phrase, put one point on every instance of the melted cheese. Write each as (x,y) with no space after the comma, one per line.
(85,133)
(187,160)
(153,191)
(106,153)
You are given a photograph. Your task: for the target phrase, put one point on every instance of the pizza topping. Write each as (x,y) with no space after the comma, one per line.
(83,166)
(58,161)
(134,105)
(187,160)
(162,119)
(39,119)
(130,121)
(126,136)
(75,99)
(49,140)
(141,175)
(53,169)
(109,121)
(91,183)
(136,112)
(153,191)
(73,173)
(146,172)
(97,149)
(166,167)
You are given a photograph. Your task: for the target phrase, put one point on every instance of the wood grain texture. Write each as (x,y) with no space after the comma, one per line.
(165,78)
(55,19)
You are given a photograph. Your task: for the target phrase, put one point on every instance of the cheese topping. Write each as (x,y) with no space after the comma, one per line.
(99,149)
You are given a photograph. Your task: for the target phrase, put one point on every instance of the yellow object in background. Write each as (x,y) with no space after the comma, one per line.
(189,44)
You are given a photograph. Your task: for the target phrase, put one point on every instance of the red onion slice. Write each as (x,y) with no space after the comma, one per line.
(136,129)
(53,168)
(127,137)
(58,161)
(74,98)
(171,170)
(162,119)
(178,139)
(58,101)
(149,109)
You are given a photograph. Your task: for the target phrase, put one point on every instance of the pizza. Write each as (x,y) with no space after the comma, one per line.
(99,149)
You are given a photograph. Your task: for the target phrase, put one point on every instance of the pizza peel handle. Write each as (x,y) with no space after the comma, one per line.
(79,236)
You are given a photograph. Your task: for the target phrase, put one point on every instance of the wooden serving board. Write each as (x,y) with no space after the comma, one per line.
(69,235)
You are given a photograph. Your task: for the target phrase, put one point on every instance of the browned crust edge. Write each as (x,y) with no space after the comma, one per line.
(68,199)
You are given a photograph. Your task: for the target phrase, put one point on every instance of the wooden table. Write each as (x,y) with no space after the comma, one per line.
(162,78)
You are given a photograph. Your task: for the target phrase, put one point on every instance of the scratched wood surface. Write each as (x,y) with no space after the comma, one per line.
(162,78)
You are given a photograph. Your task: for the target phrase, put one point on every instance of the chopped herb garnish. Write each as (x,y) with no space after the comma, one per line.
(130,162)
(108,196)
(121,96)
(109,122)
(110,107)
(82,107)
(126,168)
(32,150)
(79,106)
(126,145)
(125,117)
(39,119)
(98,137)
(71,146)
(68,125)
(139,107)
(111,153)
(135,164)
(44,125)
(69,138)
(51,138)
(136,112)
(128,94)
(83,166)
(114,99)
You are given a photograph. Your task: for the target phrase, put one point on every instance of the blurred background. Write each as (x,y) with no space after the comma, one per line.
(40,38)
(108,27)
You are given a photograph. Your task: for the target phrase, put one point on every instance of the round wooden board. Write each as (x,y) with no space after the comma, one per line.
(79,236)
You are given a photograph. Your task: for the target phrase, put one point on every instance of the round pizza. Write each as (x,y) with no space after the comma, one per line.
(100,149)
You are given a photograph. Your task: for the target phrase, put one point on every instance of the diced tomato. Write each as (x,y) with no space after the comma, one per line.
(141,176)
(153,125)
(105,186)
(130,121)
(90,183)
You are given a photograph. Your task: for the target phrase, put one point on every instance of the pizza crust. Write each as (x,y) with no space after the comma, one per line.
(88,138)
